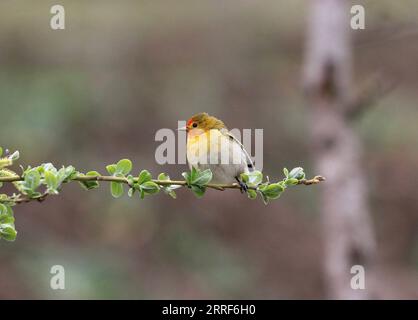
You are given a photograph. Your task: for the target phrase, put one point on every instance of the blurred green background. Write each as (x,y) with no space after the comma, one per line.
(99,90)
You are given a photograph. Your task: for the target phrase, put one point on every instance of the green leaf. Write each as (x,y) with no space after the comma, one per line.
(66,173)
(297,173)
(3,209)
(163,177)
(202,178)
(124,166)
(187,177)
(1,151)
(111,168)
(252,194)
(8,232)
(291,181)
(253,178)
(6,219)
(264,197)
(14,156)
(168,189)
(144,176)
(272,191)
(9,211)
(92,174)
(7,227)
(244,177)
(130,179)
(32,180)
(88,185)
(199,191)
(116,189)
(286,172)
(5,162)
(193,173)
(51,182)
(150,187)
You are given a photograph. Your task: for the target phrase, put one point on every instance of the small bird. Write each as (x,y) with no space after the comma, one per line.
(211,146)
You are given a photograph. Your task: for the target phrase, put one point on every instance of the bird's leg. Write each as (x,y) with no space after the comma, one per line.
(243,185)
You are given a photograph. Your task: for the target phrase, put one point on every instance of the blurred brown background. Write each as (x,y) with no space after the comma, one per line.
(99,90)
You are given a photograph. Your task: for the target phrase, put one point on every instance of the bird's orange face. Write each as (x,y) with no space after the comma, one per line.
(192,123)
(202,122)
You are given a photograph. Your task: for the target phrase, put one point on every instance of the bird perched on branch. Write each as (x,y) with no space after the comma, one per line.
(211,146)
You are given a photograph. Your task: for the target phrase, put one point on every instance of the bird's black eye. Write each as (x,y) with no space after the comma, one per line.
(194,125)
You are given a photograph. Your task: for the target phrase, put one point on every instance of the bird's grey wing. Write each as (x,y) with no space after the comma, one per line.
(248,159)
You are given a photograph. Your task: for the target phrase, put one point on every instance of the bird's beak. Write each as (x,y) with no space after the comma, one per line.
(182,129)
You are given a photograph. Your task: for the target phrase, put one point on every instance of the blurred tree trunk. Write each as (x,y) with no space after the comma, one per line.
(347,230)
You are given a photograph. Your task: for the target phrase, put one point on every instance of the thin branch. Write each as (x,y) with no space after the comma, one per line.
(40,198)
(307,182)
(82,178)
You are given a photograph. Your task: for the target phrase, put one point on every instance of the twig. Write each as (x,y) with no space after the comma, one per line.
(215,186)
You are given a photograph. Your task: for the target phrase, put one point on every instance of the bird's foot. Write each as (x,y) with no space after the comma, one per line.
(243,185)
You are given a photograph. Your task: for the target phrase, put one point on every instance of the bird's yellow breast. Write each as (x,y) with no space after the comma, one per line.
(205,145)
